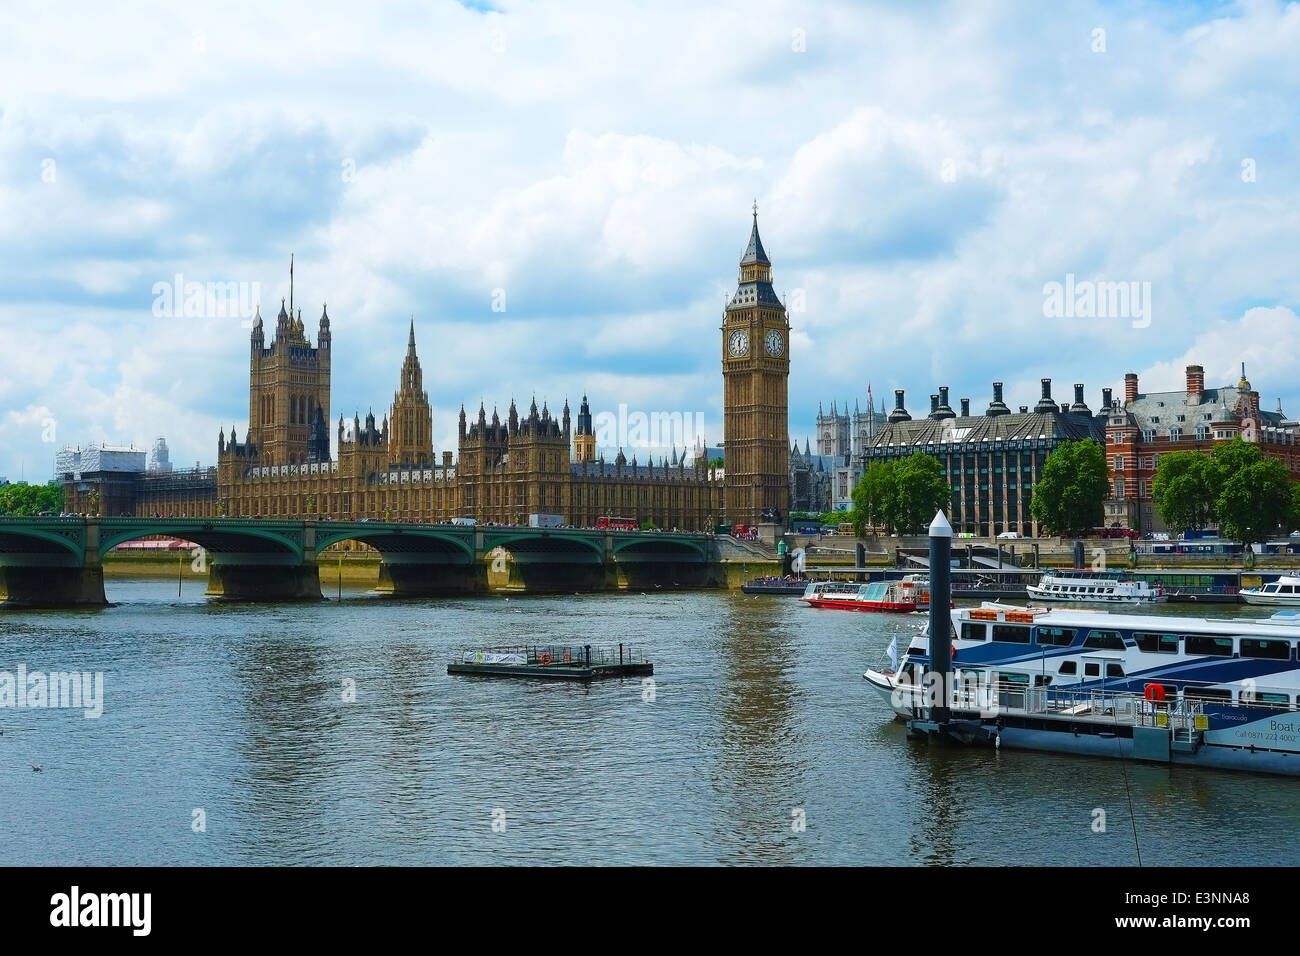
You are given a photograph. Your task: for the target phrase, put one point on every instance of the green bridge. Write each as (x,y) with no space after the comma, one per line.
(56,562)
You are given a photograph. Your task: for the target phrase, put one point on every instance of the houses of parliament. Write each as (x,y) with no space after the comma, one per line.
(532,461)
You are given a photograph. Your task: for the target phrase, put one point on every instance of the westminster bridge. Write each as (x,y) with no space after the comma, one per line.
(58,561)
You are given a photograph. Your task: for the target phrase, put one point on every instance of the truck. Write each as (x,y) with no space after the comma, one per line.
(464,521)
(545,521)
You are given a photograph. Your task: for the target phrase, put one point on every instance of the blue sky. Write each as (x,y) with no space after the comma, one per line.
(922,171)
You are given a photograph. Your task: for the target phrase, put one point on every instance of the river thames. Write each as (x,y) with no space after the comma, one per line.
(762,744)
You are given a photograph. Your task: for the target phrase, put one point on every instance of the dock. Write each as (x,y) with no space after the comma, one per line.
(583,663)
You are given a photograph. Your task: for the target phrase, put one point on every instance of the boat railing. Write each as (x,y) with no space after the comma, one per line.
(555,654)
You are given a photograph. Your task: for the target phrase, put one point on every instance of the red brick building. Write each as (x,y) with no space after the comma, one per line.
(1146,425)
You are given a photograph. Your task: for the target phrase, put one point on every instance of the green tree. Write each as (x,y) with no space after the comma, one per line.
(25,499)
(1185,490)
(903,495)
(877,486)
(1294,518)
(1254,501)
(1069,494)
(922,490)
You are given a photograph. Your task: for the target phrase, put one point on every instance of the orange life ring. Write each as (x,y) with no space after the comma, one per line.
(546,658)
(1154,693)
(566,657)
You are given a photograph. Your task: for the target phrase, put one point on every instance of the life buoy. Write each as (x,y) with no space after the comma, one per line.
(546,658)
(566,657)
(1154,693)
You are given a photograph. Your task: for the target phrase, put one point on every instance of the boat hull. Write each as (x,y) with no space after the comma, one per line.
(851,605)
(882,683)
(1270,600)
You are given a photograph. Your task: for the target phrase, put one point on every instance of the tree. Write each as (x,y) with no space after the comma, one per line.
(903,495)
(25,499)
(1294,517)
(876,486)
(1070,491)
(1185,490)
(922,490)
(1254,501)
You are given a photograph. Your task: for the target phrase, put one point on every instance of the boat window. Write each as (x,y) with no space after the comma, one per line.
(1056,636)
(1091,669)
(1114,670)
(1011,633)
(1007,677)
(1284,589)
(973,632)
(1104,640)
(1069,667)
(1206,693)
(908,673)
(1264,697)
(1157,643)
(1271,650)
(1210,646)
(1042,680)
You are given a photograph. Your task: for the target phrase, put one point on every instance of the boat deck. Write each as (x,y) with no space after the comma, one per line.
(553,663)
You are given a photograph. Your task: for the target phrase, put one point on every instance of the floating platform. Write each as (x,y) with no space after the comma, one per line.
(554,663)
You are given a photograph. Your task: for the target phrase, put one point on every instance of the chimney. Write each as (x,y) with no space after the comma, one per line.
(899,414)
(945,410)
(965,408)
(1080,407)
(1130,387)
(934,406)
(1065,408)
(446,460)
(1046,403)
(997,406)
(1106,398)
(1024,409)
(1195,382)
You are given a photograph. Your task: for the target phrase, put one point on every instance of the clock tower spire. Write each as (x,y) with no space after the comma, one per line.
(755,376)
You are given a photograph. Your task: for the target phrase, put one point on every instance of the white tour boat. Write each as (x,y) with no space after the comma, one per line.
(1084,585)
(1285,591)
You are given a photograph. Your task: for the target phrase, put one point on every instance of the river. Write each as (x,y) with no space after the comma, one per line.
(757,743)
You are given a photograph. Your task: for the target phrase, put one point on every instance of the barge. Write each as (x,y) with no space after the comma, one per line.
(553,663)
(1208,692)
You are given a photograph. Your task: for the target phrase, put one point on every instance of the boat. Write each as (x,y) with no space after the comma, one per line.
(911,593)
(1284,591)
(1085,585)
(1207,692)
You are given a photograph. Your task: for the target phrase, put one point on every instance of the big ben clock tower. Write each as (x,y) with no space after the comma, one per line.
(755,378)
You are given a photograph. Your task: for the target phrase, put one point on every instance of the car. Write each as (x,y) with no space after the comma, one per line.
(1009,534)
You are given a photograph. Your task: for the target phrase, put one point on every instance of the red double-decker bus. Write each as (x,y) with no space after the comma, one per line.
(617,524)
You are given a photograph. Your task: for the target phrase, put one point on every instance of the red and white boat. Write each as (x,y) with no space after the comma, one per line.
(911,593)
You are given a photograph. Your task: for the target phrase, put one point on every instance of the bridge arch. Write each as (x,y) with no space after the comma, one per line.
(392,542)
(19,537)
(522,541)
(221,538)
(655,547)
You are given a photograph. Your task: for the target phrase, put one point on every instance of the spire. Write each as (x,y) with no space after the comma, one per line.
(291,283)
(754,252)
(410,341)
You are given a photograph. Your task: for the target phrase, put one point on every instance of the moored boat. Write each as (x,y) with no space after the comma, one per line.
(911,593)
(1209,692)
(1088,586)
(1284,592)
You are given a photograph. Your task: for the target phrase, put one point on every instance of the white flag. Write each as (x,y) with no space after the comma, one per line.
(892,651)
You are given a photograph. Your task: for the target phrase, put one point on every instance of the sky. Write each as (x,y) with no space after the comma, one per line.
(559,193)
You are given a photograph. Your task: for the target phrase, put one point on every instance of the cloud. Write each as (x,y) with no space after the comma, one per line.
(921,173)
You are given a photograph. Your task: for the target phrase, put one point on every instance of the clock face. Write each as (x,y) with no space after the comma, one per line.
(738,344)
(775,343)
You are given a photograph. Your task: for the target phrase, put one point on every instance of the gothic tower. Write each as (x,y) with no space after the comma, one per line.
(289,389)
(584,441)
(412,420)
(755,375)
